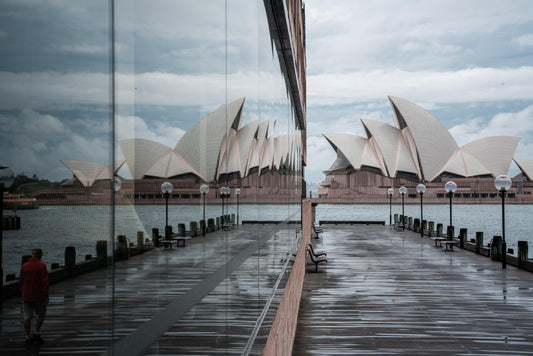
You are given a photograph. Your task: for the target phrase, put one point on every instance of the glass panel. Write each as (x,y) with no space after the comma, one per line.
(56,136)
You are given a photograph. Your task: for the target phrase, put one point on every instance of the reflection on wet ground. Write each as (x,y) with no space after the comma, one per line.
(387,292)
(201,299)
(381,292)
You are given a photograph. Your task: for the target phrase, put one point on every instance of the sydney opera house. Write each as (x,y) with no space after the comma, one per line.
(218,151)
(418,148)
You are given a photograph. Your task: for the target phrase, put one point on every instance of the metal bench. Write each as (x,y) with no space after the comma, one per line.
(316,257)
(450,243)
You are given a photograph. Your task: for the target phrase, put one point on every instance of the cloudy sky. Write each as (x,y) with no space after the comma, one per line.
(469,63)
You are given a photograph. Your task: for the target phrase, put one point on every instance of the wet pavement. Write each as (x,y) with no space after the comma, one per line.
(201,299)
(381,292)
(386,292)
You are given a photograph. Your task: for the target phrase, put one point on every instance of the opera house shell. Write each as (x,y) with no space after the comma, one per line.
(218,149)
(418,148)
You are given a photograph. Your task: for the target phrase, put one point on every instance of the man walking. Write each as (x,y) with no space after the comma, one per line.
(34,286)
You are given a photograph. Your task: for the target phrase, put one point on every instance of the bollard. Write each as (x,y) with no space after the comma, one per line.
(424,226)
(416,225)
(193,227)
(25,258)
(55,265)
(123,252)
(410,223)
(210,225)
(450,232)
(168,232)
(101,252)
(181,230)
(140,238)
(232,218)
(10,277)
(496,248)
(202,226)
(439,229)
(463,233)
(70,259)
(431,228)
(522,253)
(88,257)
(396,219)
(479,241)
(218,223)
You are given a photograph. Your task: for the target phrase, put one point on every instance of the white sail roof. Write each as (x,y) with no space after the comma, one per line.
(495,152)
(421,145)
(433,142)
(88,172)
(525,165)
(141,154)
(201,145)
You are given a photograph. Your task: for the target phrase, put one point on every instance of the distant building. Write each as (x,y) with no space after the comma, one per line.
(417,149)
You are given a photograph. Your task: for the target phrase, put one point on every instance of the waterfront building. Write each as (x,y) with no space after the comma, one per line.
(419,149)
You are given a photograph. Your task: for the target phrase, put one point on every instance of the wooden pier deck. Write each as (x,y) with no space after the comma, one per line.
(381,292)
(385,292)
(201,299)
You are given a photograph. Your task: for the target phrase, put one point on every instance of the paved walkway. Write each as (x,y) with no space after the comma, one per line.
(201,299)
(386,292)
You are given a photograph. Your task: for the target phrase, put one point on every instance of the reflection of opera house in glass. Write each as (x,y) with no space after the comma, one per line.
(217,149)
(420,149)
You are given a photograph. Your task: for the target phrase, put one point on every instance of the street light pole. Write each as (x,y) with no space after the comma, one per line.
(503,183)
(390,192)
(204,189)
(166,188)
(403,190)
(421,189)
(450,187)
(238,194)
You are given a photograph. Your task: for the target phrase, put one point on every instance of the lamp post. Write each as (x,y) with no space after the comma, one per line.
(204,189)
(503,183)
(421,189)
(238,193)
(390,192)
(450,187)
(166,188)
(403,190)
(7,177)
(224,193)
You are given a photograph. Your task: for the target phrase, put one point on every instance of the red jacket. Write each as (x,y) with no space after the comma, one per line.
(33,282)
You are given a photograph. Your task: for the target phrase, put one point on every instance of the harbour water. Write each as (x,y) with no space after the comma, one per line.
(55,227)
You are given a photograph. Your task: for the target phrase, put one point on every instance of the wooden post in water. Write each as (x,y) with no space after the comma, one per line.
(496,248)
(479,241)
(522,253)
(140,238)
(210,225)
(70,259)
(181,229)
(193,227)
(463,233)
(450,232)
(101,252)
(416,226)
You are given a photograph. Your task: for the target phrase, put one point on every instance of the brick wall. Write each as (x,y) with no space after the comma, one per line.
(281,337)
